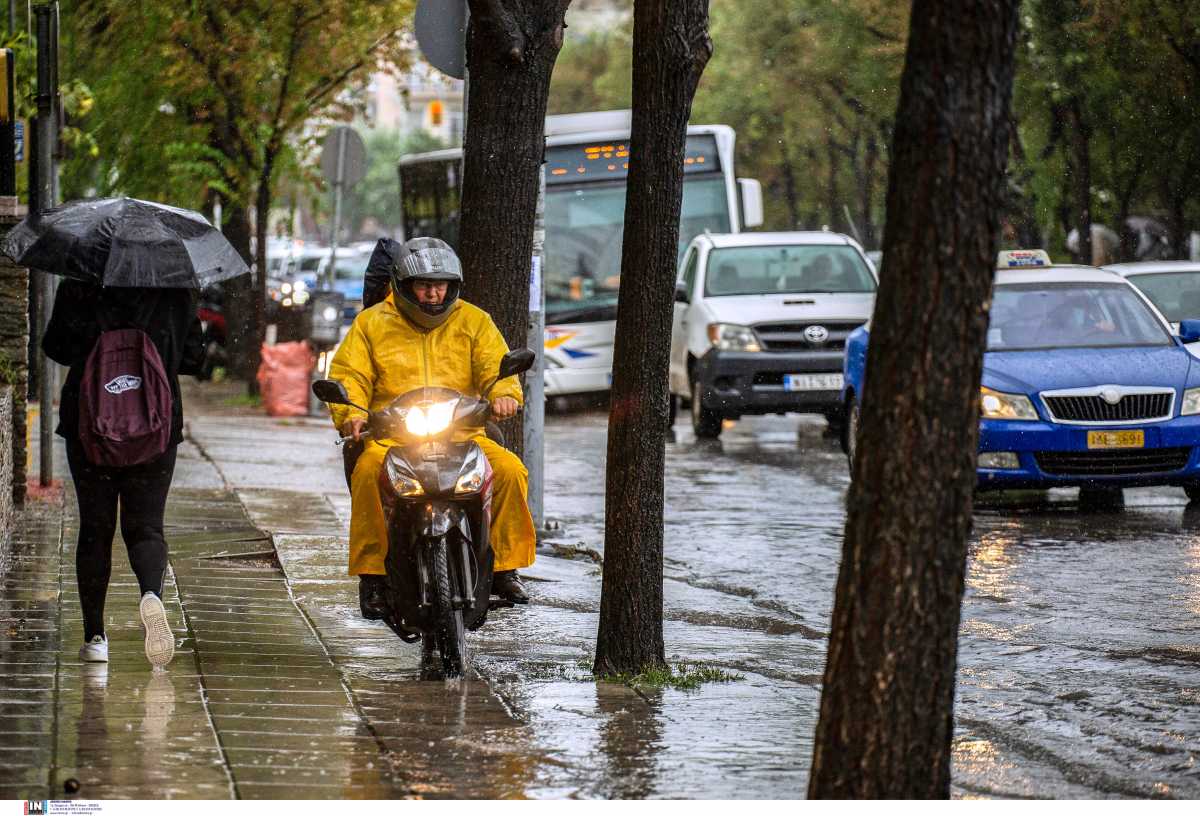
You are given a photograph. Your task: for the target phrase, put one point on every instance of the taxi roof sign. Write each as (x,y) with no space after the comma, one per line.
(1021,258)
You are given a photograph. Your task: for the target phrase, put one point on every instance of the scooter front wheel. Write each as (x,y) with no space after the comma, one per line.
(451,634)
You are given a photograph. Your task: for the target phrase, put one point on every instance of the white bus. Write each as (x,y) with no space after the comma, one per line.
(587,162)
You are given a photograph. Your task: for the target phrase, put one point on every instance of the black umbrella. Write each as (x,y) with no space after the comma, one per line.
(124,242)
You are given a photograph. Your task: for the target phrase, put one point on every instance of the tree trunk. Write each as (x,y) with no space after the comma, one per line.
(1079,169)
(867,202)
(670,49)
(886,718)
(511,49)
(238,308)
(833,196)
(258,290)
(790,194)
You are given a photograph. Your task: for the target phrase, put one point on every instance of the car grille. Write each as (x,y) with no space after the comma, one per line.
(1113,462)
(1130,408)
(790,336)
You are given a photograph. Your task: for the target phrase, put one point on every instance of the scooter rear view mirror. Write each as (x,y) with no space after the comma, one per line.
(331,391)
(515,362)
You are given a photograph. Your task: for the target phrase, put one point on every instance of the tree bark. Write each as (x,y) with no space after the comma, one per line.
(511,49)
(670,49)
(238,308)
(1079,168)
(886,718)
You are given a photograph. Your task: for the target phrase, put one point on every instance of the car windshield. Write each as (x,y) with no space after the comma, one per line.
(769,270)
(1176,294)
(1033,316)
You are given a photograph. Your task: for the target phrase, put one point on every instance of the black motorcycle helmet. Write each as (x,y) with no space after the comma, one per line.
(426,259)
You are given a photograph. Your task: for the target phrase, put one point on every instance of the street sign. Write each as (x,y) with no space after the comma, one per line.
(354,160)
(441,27)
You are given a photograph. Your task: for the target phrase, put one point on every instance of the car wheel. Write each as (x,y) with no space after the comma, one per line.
(850,435)
(1101,498)
(705,423)
(1192,491)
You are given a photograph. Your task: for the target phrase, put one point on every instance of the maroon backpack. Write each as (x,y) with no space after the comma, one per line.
(124,401)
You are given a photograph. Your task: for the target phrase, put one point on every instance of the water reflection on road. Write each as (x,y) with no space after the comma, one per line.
(1078,650)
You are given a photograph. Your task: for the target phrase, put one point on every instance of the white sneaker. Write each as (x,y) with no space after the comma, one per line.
(160,640)
(95,650)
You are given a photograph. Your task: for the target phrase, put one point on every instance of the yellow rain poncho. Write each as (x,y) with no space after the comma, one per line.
(384,356)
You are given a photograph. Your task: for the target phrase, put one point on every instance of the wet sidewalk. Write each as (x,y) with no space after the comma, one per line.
(280,690)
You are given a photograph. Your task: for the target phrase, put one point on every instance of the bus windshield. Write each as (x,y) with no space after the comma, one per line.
(583,242)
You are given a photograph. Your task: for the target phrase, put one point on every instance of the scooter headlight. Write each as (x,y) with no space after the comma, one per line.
(473,474)
(402,479)
(430,420)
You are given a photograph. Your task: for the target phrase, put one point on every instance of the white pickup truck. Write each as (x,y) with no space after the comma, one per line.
(760,326)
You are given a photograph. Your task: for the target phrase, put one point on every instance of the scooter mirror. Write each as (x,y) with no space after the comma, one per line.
(515,362)
(331,391)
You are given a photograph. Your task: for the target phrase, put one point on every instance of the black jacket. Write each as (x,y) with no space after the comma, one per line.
(378,280)
(168,316)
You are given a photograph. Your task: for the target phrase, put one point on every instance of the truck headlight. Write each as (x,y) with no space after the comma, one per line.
(473,474)
(731,337)
(1191,402)
(996,405)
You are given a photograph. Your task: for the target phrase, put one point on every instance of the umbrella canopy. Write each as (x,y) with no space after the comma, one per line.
(124,242)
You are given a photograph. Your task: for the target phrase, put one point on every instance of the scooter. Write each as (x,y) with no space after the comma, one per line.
(437,497)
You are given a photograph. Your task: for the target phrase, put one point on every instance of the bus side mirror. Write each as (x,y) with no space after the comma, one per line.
(750,193)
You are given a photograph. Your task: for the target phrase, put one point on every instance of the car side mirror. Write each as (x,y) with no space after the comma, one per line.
(681,293)
(331,391)
(1189,330)
(515,362)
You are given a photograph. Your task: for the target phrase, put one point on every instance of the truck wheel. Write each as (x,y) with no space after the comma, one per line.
(706,423)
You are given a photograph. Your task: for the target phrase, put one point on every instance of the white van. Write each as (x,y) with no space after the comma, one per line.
(761,321)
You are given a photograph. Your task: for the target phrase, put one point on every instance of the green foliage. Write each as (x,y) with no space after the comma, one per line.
(682,677)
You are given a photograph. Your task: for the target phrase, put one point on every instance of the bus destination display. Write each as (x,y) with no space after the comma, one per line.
(602,161)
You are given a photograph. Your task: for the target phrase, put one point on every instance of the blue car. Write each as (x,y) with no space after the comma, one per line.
(1084,384)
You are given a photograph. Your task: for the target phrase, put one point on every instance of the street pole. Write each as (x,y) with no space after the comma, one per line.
(47,81)
(535,382)
(338,183)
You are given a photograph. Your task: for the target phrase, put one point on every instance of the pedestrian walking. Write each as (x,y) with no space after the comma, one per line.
(84,318)
(124,323)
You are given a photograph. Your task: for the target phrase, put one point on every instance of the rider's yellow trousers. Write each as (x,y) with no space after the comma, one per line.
(513,536)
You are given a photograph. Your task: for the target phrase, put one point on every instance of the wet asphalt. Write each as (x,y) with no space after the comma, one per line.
(1077,673)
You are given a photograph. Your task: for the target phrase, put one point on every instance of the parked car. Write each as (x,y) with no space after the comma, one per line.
(1172,286)
(761,320)
(1084,384)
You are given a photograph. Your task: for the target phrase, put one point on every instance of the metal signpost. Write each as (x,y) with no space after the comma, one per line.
(47,90)
(535,387)
(343,163)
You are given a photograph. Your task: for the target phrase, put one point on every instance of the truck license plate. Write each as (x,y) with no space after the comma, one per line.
(812,382)
(1116,439)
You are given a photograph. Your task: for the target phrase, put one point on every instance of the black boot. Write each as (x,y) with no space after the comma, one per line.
(508,586)
(372,596)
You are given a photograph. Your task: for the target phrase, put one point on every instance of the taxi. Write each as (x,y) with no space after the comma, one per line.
(1084,383)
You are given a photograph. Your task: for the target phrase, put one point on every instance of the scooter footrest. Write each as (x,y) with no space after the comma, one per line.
(499,603)
(403,634)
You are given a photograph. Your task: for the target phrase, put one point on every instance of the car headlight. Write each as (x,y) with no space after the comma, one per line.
(430,420)
(286,288)
(730,337)
(1191,402)
(473,473)
(403,480)
(300,286)
(996,405)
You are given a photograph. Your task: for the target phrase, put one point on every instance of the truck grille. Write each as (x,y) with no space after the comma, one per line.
(1113,462)
(791,337)
(1094,408)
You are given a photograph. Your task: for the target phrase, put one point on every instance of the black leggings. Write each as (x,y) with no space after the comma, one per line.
(141,492)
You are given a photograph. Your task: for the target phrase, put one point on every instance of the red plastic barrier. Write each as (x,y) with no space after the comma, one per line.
(283,378)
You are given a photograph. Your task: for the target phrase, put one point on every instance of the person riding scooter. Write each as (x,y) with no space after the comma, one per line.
(422,334)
